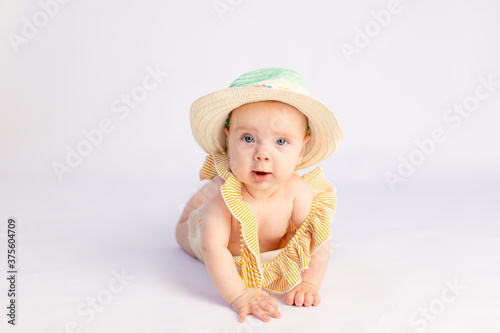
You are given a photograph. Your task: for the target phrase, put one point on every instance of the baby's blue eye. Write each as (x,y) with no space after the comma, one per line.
(281,142)
(248,139)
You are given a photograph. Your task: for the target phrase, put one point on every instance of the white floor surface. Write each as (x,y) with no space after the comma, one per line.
(98,256)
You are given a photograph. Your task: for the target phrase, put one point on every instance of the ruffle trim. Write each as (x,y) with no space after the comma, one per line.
(283,272)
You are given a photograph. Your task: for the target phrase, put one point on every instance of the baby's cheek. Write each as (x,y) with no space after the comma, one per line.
(289,168)
(236,167)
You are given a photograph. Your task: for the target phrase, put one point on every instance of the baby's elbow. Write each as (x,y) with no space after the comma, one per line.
(205,248)
(211,249)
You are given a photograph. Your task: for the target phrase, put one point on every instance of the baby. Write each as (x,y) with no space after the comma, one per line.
(258,223)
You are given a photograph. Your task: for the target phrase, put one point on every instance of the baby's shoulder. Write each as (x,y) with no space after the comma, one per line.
(217,180)
(214,205)
(298,186)
(212,193)
(303,198)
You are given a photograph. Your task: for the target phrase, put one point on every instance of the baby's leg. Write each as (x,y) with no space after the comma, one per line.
(181,231)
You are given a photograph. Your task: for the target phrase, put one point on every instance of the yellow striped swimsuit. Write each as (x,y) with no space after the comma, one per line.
(283,272)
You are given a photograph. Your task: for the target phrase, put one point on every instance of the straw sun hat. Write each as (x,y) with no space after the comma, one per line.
(209,113)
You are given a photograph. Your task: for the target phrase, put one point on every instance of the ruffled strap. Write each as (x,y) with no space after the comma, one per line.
(283,272)
(249,241)
(215,164)
(241,210)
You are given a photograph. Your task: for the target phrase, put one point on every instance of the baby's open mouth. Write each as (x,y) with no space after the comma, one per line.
(261,176)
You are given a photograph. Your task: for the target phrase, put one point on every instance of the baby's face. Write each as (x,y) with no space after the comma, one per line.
(265,143)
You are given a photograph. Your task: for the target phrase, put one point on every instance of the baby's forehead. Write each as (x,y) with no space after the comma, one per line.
(269,109)
(272,118)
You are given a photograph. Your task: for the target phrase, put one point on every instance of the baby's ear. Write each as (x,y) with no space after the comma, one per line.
(306,140)
(226,130)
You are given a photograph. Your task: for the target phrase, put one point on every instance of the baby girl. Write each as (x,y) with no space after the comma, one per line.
(258,223)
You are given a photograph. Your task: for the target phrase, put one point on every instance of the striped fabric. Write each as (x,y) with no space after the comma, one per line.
(283,272)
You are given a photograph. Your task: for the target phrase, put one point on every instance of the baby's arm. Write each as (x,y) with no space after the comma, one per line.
(306,292)
(215,232)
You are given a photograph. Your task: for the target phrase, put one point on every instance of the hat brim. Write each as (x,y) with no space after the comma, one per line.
(209,113)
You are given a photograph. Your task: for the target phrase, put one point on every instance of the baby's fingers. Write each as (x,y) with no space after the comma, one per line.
(317,299)
(299,298)
(308,299)
(272,301)
(256,311)
(242,314)
(259,313)
(290,297)
(272,309)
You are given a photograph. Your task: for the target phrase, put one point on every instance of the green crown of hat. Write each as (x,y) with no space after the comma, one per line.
(209,113)
(278,78)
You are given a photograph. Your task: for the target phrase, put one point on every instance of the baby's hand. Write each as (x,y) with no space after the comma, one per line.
(256,302)
(304,294)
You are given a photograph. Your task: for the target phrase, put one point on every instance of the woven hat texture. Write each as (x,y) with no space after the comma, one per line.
(209,113)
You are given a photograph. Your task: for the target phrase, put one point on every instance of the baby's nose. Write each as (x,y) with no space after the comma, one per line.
(261,154)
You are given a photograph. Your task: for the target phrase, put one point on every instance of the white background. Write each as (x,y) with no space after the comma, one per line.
(396,248)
